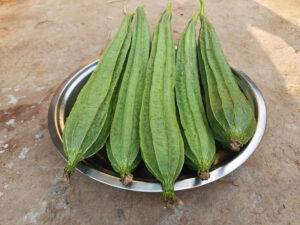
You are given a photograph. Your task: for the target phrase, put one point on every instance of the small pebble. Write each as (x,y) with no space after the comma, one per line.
(12,99)
(39,88)
(5,89)
(10,122)
(9,165)
(23,153)
(38,136)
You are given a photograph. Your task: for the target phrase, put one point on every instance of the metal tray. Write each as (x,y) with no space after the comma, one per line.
(98,168)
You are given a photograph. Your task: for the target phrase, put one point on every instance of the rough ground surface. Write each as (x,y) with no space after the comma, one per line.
(42,42)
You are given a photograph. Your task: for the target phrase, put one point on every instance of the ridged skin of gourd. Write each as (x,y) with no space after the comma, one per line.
(160,138)
(200,149)
(229,113)
(123,147)
(88,124)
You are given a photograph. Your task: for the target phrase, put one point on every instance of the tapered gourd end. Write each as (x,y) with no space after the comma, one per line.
(170,199)
(169,196)
(204,175)
(69,170)
(127,179)
(235,144)
(142,5)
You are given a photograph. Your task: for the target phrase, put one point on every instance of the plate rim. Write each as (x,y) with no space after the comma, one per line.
(142,186)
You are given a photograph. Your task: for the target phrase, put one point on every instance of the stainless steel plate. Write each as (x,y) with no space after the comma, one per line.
(98,168)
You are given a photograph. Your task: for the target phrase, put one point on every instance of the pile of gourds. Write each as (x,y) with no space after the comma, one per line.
(129,104)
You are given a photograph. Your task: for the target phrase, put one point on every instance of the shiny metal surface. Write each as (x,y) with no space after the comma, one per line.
(99,169)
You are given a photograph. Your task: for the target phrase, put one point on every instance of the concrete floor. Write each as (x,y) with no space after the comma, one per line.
(42,42)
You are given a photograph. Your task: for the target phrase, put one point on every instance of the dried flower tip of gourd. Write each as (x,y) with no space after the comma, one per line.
(66,177)
(204,175)
(221,156)
(235,144)
(127,179)
(179,202)
(171,203)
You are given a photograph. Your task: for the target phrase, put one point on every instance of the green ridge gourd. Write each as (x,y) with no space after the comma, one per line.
(162,146)
(200,148)
(229,113)
(88,124)
(123,147)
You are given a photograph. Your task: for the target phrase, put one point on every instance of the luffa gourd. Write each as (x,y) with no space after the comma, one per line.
(200,149)
(123,146)
(229,112)
(161,142)
(88,124)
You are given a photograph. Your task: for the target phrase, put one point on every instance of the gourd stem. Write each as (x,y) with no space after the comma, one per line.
(202,9)
(143,5)
(169,7)
(196,16)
